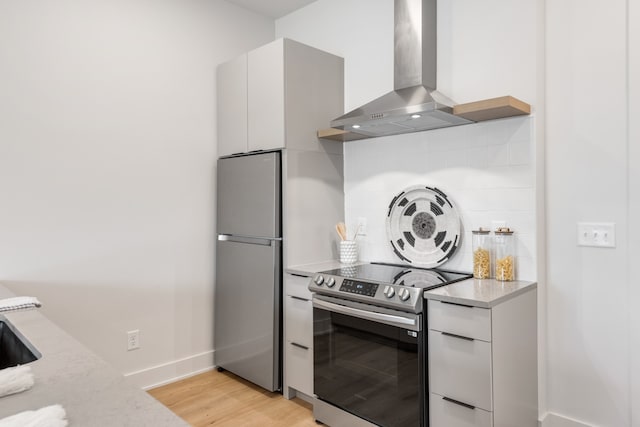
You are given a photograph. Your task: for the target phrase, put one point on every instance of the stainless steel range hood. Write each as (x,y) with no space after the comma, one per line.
(414,104)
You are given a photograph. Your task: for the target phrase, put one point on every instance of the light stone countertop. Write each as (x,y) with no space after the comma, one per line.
(477,293)
(480,293)
(91,391)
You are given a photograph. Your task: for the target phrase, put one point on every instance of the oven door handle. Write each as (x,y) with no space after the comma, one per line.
(410,323)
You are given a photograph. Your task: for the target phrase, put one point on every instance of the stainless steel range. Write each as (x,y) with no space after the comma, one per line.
(370,364)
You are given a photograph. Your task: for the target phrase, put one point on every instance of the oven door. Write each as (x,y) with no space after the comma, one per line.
(369,363)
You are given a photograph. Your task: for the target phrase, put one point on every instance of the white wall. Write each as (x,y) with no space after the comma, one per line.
(107,156)
(587,175)
(485,49)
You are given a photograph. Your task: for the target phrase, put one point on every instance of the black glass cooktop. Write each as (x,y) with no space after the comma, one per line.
(402,275)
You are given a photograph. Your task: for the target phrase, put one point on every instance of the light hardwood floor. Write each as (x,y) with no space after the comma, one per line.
(225,400)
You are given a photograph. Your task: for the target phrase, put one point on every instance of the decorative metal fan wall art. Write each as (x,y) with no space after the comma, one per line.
(423,226)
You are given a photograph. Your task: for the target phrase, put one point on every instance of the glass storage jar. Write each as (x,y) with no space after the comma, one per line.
(482,248)
(505,264)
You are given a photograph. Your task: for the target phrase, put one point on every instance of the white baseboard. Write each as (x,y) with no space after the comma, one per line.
(554,420)
(166,373)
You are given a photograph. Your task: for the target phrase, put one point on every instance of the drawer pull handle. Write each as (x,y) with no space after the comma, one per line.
(295,344)
(299,298)
(457,402)
(299,275)
(457,336)
(455,303)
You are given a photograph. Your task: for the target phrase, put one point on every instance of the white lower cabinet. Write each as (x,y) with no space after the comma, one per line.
(483,364)
(298,332)
(300,368)
(460,368)
(444,412)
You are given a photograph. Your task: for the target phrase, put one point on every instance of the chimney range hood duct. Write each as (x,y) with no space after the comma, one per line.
(414,105)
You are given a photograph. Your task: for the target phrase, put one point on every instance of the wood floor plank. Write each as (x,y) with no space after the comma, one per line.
(222,399)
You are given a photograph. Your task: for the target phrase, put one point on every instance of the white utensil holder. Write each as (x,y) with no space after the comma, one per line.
(348,251)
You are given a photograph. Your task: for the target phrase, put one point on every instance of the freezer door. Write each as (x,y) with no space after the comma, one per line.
(247,316)
(249,195)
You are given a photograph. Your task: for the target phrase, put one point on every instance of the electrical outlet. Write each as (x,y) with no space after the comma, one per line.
(597,234)
(133,340)
(361,227)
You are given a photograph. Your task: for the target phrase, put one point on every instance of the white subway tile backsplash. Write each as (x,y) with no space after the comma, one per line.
(498,155)
(520,152)
(500,132)
(520,128)
(478,157)
(520,176)
(455,138)
(486,169)
(455,159)
(525,268)
(525,244)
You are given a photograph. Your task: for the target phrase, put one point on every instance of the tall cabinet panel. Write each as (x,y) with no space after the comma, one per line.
(232,106)
(315,193)
(265,84)
(311,75)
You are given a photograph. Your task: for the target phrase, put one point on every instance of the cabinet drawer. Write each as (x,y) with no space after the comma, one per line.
(299,320)
(460,369)
(472,322)
(298,286)
(444,413)
(299,368)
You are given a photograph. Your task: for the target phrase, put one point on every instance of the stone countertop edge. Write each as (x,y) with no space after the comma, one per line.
(308,270)
(480,293)
(91,391)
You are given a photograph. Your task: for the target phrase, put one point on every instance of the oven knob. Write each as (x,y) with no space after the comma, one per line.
(389,292)
(330,282)
(319,280)
(404,294)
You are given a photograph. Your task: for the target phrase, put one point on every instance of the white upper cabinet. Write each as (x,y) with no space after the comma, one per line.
(265,111)
(276,96)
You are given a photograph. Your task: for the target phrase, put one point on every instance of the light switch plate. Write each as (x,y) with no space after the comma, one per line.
(597,234)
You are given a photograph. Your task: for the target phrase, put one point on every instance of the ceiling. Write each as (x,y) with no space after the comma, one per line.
(272,8)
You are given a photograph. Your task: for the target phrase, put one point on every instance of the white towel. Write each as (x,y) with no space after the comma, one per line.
(49,416)
(19,303)
(14,380)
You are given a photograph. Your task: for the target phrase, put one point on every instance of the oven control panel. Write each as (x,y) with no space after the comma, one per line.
(383,294)
(360,288)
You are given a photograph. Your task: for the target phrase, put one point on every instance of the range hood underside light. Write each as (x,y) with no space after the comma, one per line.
(412,109)
(397,124)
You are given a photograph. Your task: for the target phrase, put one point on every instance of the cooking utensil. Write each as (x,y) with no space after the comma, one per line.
(341,229)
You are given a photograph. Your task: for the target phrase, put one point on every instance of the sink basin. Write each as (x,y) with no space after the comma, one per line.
(15,349)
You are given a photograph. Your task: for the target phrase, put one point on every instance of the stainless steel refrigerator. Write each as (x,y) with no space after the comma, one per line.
(248,288)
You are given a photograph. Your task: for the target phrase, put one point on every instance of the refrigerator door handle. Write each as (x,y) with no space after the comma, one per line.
(269,241)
